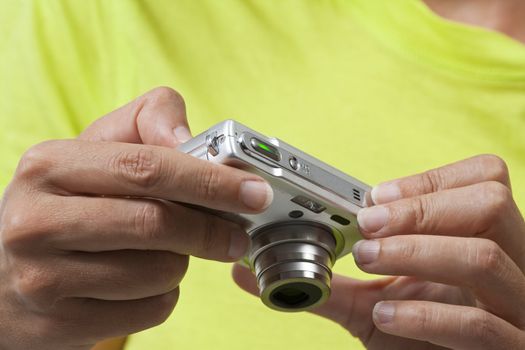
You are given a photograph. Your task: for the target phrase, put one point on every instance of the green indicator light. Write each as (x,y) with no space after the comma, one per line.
(264,147)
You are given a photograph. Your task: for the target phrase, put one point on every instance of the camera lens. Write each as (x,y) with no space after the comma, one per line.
(295,295)
(292,262)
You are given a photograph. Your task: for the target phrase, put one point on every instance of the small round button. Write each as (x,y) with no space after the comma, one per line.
(295,214)
(294,163)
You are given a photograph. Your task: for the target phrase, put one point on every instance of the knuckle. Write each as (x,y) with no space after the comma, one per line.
(433,180)
(37,287)
(208,183)
(150,220)
(163,94)
(209,235)
(424,319)
(422,210)
(37,161)
(58,326)
(22,229)
(141,168)
(13,230)
(408,252)
(488,258)
(498,198)
(495,166)
(46,327)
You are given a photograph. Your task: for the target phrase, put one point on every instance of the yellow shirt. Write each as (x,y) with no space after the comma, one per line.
(379,89)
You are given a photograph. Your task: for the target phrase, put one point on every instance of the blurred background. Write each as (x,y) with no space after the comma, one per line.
(376,89)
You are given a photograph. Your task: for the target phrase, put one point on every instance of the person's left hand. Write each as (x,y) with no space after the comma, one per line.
(457,232)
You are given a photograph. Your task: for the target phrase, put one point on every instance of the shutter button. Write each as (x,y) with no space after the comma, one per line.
(212,142)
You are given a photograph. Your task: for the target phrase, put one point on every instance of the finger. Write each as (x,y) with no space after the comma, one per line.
(476,263)
(119,169)
(349,303)
(483,210)
(155,118)
(480,168)
(451,326)
(118,275)
(245,279)
(106,224)
(94,320)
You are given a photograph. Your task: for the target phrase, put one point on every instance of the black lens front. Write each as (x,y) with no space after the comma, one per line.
(295,295)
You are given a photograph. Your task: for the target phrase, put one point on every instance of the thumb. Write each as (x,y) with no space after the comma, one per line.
(350,304)
(155,118)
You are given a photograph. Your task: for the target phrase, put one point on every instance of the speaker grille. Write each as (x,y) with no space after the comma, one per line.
(357,194)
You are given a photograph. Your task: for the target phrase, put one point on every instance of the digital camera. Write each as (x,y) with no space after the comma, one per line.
(309,225)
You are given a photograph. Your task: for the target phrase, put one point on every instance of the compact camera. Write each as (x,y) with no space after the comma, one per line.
(309,225)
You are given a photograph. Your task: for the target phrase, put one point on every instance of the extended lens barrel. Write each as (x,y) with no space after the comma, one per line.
(292,263)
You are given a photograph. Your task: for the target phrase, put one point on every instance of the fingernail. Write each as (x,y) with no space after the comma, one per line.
(386,192)
(384,312)
(366,252)
(372,219)
(182,134)
(239,244)
(256,194)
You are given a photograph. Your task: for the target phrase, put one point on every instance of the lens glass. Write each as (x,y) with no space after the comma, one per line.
(295,295)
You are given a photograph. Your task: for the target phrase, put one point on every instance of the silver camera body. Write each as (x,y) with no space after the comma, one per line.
(309,225)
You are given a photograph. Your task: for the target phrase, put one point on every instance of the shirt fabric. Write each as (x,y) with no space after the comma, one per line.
(378,89)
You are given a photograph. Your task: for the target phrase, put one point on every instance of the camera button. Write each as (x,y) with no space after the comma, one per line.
(265,149)
(294,163)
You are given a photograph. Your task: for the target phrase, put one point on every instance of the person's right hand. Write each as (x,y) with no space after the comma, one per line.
(452,240)
(93,243)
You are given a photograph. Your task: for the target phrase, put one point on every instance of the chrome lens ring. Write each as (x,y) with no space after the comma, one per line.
(292,263)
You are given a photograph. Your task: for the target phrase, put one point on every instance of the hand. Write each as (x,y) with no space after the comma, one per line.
(93,241)
(455,242)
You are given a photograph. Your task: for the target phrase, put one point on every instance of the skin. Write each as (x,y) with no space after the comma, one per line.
(505,16)
(454,242)
(466,285)
(452,238)
(94,229)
